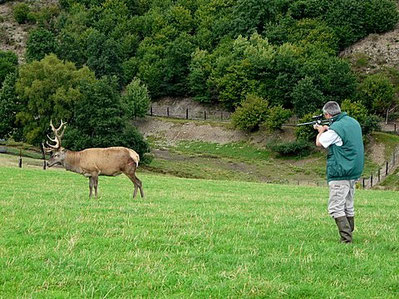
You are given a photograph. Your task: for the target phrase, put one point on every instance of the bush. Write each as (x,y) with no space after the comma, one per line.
(307,97)
(376,93)
(306,133)
(358,111)
(299,148)
(21,12)
(8,64)
(277,117)
(40,43)
(251,114)
(136,99)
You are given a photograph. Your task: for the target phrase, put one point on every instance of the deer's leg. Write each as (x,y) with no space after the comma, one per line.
(131,174)
(95,179)
(91,184)
(140,185)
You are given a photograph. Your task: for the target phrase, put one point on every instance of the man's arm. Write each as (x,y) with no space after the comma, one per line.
(321,130)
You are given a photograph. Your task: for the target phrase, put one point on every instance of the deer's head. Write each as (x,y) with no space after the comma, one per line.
(57,153)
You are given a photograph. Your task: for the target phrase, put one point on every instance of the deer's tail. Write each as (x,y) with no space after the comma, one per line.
(135,156)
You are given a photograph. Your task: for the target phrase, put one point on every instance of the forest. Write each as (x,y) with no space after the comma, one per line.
(97,64)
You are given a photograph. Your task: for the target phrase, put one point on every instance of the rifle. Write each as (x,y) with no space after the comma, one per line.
(317,119)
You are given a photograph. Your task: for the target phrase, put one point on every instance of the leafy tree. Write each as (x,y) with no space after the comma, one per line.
(106,124)
(250,16)
(252,113)
(8,64)
(104,56)
(48,89)
(307,97)
(359,112)
(237,67)
(331,75)
(136,99)
(214,22)
(40,43)
(376,93)
(277,116)
(307,133)
(200,71)
(9,106)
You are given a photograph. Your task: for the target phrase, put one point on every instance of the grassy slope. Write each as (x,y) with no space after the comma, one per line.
(188,238)
(242,161)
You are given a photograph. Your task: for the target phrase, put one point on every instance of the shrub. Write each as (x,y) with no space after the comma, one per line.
(277,117)
(21,12)
(306,133)
(299,148)
(376,93)
(136,99)
(8,64)
(359,112)
(40,43)
(251,114)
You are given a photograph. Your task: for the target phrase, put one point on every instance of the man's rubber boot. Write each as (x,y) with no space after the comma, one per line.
(344,229)
(351,221)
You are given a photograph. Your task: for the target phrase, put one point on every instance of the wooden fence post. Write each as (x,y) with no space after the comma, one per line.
(386,168)
(371,180)
(364,183)
(44,156)
(151,111)
(379,175)
(20,159)
(187,113)
(204,115)
(167,111)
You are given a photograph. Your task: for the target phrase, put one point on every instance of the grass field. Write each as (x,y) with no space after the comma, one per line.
(188,238)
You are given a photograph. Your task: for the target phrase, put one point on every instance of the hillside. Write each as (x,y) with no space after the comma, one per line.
(213,148)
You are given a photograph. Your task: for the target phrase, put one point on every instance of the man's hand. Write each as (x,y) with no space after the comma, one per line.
(320,128)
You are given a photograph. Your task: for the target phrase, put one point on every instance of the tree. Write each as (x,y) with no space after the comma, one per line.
(106,124)
(136,99)
(307,97)
(376,93)
(48,89)
(200,71)
(277,116)
(104,55)
(9,107)
(40,43)
(8,64)
(358,111)
(252,113)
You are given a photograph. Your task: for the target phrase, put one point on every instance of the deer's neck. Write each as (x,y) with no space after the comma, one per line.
(72,161)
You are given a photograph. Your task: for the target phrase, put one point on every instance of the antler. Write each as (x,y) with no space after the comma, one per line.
(57,135)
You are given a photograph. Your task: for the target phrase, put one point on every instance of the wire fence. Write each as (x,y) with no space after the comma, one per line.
(189,113)
(376,177)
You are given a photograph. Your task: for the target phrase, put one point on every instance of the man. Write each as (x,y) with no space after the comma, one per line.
(345,162)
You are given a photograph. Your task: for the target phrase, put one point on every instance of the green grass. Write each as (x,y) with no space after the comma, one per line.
(242,162)
(390,142)
(188,238)
(240,151)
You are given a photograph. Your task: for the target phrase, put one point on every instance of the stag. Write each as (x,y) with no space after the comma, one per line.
(93,162)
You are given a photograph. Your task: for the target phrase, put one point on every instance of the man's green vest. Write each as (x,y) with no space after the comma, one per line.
(345,162)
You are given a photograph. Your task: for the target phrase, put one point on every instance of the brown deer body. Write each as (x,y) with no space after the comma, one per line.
(93,162)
